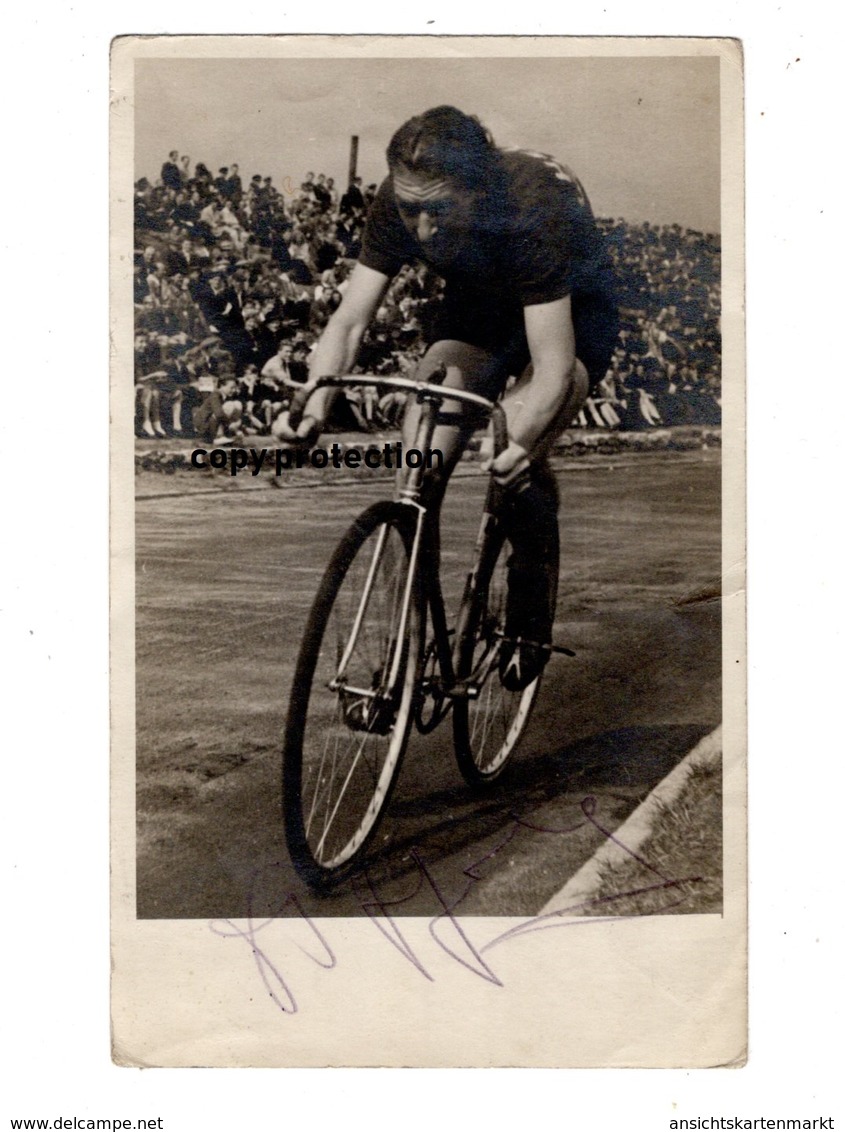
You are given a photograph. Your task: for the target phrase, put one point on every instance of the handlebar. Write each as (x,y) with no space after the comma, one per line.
(429,391)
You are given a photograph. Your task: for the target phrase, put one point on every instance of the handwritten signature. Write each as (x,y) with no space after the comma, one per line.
(449,933)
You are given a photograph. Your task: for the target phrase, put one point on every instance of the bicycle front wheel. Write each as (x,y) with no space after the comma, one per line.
(488,726)
(353,696)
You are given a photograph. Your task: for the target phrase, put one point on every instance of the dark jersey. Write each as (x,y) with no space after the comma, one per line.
(534,239)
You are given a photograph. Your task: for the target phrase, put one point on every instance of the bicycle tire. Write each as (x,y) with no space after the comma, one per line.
(487,729)
(342,749)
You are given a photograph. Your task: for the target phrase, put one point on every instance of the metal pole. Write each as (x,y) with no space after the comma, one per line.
(353,158)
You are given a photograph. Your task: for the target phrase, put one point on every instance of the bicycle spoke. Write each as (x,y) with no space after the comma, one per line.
(319,848)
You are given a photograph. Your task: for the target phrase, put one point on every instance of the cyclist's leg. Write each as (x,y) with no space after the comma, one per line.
(467,367)
(578,392)
(530,518)
(595,321)
(532,584)
(530,514)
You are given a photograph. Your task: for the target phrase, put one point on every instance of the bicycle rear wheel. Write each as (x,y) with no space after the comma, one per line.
(487,728)
(353,696)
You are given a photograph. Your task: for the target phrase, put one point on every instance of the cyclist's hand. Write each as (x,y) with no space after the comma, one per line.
(281,428)
(300,423)
(299,401)
(508,465)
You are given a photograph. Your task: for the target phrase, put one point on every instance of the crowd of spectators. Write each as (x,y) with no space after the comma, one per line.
(234,281)
(667,367)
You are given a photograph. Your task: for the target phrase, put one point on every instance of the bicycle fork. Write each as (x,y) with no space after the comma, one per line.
(387,689)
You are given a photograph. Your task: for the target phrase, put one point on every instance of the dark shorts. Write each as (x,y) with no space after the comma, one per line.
(500,330)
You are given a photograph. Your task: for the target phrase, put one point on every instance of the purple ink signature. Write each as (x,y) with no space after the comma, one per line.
(451,935)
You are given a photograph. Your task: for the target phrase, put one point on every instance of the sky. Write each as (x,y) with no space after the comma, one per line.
(642,134)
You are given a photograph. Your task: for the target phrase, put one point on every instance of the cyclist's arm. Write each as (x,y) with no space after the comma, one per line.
(551,342)
(338,345)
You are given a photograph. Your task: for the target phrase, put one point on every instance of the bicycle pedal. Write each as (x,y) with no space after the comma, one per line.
(561,649)
(537,645)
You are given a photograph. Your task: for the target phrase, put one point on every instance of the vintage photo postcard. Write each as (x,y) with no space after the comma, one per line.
(428,552)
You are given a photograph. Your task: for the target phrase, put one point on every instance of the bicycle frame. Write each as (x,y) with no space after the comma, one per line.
(426,544)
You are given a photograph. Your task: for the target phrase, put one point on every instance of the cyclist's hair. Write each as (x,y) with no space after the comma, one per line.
(445,142)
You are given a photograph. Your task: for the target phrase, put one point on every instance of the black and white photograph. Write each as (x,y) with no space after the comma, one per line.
(624,915)
(428,440)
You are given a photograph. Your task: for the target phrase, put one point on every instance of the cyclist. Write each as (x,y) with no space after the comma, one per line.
(529,291)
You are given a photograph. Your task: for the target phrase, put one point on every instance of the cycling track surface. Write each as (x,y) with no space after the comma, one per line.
(224,580)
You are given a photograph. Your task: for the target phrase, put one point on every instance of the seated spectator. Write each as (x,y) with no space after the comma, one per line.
(362,402)
(296,309)
(391,408)
(202,397)
(231,408)
(329,251)
(280,368)
(605,401)
(148,374)
(220,306)
(267,333)
(647,407)
(274,390)
(159,390)
(249,395)
(229,225)
(299,364)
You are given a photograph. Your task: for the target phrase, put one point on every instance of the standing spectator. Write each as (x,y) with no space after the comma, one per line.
(332,191)
(322,194)
(233,189)
(269,190)
(171,176)
(202,176)
(352,201)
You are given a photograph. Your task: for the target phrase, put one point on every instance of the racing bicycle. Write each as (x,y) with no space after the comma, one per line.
(381,655)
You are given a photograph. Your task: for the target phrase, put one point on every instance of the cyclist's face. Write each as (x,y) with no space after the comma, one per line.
(436,211)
